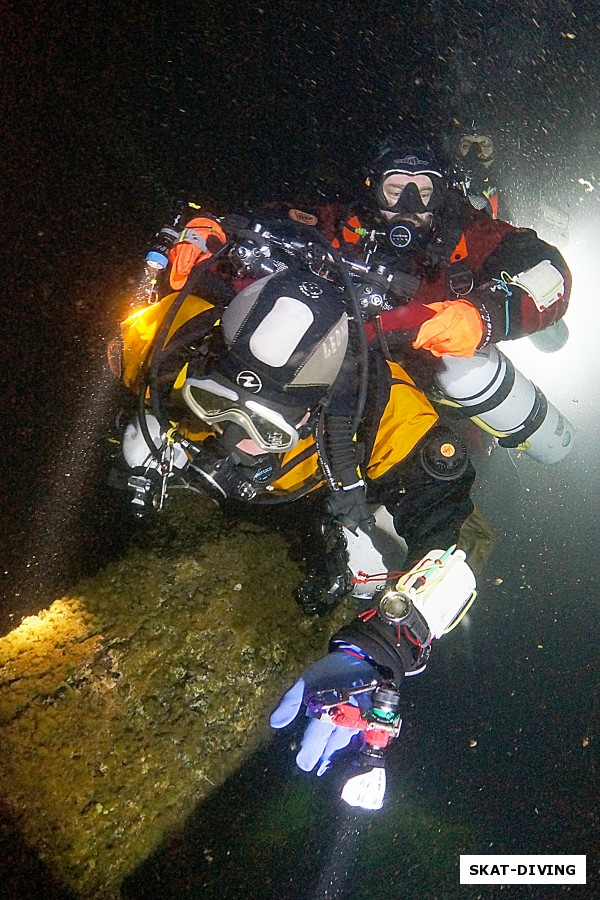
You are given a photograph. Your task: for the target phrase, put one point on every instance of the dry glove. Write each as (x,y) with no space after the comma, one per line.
(200,238)
(336,672)
(456,329)
(349,508)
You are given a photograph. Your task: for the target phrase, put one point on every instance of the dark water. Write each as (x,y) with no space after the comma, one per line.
(107,120)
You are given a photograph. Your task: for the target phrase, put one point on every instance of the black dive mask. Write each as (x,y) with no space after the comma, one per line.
(481,151)
(410,200)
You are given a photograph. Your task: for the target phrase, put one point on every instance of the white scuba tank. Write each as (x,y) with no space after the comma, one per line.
(136,452)
(489,387)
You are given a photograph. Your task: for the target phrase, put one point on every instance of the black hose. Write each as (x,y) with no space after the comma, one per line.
(321,449)
(152,361)
(150,371)
(381,338)
(144,423)
(363,347)
(342,449)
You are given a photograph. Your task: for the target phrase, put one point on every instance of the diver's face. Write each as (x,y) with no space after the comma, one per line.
(392,189)
(251,448)
(479,145)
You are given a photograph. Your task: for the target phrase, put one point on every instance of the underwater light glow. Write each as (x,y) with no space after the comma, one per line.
(63,621)
(366,790)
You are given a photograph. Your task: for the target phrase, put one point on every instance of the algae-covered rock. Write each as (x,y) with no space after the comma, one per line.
(127,701)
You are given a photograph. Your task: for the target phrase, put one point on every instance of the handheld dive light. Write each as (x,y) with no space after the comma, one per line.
(365,788)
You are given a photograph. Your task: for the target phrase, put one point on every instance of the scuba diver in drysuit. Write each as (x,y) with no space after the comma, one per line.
(467,281)
(270,412)
(471,170)
(274,393)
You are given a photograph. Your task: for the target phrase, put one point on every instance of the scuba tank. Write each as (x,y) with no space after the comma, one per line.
(502,401)
(551,339)
(157,256)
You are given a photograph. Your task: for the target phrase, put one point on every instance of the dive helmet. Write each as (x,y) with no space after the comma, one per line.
(398,157)
(286,337)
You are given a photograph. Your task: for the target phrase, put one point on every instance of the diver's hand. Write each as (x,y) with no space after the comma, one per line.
(349,508)
(456,329)
(335,672)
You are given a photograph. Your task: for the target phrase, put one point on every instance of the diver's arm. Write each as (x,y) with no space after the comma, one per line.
(525,285)
(522,287)
(395,635)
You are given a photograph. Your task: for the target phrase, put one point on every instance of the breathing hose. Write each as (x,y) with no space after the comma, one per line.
(150,371)
(363,347)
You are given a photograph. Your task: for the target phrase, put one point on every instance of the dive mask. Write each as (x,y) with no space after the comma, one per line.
(213,402)
(409,199)
(476,147)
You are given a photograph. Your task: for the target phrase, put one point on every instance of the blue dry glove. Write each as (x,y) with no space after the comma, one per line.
(322,739)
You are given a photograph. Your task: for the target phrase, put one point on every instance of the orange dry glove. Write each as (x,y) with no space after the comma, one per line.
(456,329)
(203,237)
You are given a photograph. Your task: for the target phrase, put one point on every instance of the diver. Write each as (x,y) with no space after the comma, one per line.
(471,170)
(479,280)
(262,385)
(461,282)
(279,406)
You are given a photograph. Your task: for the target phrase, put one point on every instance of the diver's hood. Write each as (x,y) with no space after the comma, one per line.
(401,159)
(286,337)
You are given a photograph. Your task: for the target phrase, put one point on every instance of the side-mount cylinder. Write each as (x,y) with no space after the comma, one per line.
(490,388)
